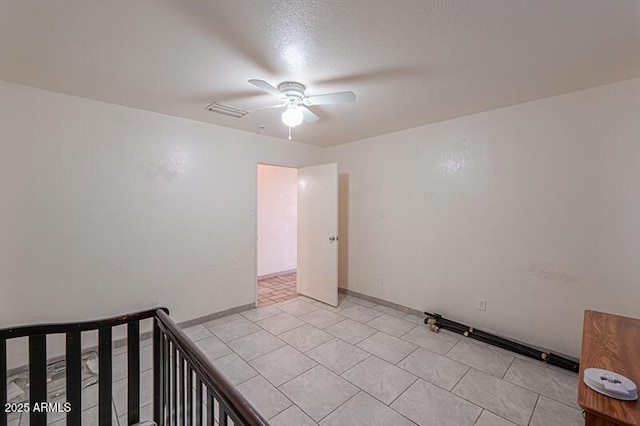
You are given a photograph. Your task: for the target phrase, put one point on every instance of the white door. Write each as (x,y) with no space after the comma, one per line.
(318,233)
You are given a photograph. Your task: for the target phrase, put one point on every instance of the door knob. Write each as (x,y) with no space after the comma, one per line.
(333,238)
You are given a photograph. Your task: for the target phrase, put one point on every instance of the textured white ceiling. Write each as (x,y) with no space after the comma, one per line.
(411,62)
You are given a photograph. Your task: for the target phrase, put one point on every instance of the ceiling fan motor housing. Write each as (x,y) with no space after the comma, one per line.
(292,90)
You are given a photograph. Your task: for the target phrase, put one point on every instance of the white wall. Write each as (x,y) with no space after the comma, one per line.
(106,208)
(534,207)
(277,219)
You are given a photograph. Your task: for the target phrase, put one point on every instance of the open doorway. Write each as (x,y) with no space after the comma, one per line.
(277,224)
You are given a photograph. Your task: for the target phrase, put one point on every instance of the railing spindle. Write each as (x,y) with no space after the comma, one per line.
(37,378)
(210,408)
(104,376)
(174,384)
(182,381)
(74,377)
(199,401)
(223,416)
(3,381)
(133,372)
(157,374)
(189,396)
(165,389)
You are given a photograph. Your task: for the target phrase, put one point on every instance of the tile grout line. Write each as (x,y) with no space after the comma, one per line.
(400,337)
(389,405)
(547,396)
(459,380)
(478,418)
(352,367)
(284,383)
(435,384)
(297,375)
(335,409)
(244,360)
(113,403)
(471,402)
(534,409)
(376,398)
(560,402)
(272,385)
(282,411)
(404,390)
(247,361)
(316,346)
(408,355)
(389,335)
(465,399)
(354,344)
(286,331)
(508,368)
(450,349)
(383,403)
(352,384)
(320,328)
(536,392)
(373,326)
(498,415)
(252,377)
(477,368)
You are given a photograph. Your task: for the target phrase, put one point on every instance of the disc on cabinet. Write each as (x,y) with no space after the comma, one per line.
(611,384)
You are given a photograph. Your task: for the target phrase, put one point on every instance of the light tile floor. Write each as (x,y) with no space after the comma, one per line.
(301,362)
(276,289)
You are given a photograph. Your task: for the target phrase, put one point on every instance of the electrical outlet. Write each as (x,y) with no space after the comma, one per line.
(155,303)
(481,304)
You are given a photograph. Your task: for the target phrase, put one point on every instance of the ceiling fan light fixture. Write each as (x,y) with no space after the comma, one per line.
(292,117)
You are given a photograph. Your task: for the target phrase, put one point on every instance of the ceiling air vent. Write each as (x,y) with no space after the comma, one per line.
(227,110)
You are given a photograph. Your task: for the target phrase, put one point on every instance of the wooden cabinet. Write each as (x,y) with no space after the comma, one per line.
(610,342)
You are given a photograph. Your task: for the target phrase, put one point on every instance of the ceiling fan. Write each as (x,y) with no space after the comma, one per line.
(292,97)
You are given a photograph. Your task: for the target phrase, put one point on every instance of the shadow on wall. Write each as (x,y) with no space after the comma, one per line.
(343,230)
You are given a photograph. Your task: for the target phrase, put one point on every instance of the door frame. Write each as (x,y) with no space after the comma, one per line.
(255,221)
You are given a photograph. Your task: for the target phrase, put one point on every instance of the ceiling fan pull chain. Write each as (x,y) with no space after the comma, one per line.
(289,133)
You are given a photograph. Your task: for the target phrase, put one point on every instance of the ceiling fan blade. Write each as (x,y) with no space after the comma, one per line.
(261,84)
(307,115)
(267,107)
(332,98)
